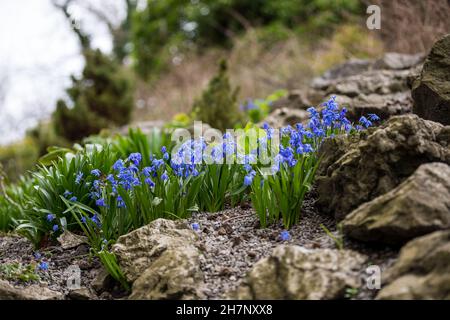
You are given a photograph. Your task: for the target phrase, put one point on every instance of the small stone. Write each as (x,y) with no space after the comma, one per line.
(80,294)
(225,272)
(251,254)
(237,241)
(102,282)
(222,231)
(69,240)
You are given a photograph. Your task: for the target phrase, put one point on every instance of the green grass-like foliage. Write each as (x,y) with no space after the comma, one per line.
(19,272)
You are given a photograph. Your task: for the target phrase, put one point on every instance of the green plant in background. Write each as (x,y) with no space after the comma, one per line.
(338,239)
(180,120)
(14,202)
(18,157)
(19,272)
(351,293)
(146,145)
(162,28)
(257,110)
(218,104)
(101,98)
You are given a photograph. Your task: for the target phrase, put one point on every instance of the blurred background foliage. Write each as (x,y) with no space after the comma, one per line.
(164,62)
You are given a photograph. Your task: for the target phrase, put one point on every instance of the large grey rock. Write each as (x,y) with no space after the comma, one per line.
(366,86)
(419,205)
(137,250)
(399,61)
(293,272)
(431,91)
(161,261)
(355,169)
(383,105)
(421,271)
(174,275)
(31,292)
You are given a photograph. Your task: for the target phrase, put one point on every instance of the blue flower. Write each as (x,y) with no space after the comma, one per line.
(96,220)
(365,122)
(285,236)
(373,117)
(55,228)
(96,173)
(118,165)
(78,177)
(248,179)
(135,158)
(67,193)
(37,255)
(149,182)
(147,171)
(195,226)
(163,149)
(50,217)
(164,176)
(73,199)
(100,202)
(120,202)
(43,266)
(83,219)
(111,179)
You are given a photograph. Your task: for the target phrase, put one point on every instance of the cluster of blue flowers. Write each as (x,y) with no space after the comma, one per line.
(192,158)
(331,120)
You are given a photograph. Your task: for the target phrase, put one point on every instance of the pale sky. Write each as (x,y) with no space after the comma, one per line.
(38,53)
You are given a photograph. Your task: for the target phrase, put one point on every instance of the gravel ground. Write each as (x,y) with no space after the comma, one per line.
(14,249)
(232,243)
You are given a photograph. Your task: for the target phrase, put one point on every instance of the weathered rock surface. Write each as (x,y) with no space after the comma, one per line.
(282,117)
(431,91)
(138,249)
(69,240)
(80,294)
(421,271)
(174,275)
(419,205)
(32,292)
(355,171)
(362,86)
(293,272)
(399,61)
(161,260)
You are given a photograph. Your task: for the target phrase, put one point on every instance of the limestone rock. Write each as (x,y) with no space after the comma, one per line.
(69,240)
(421,271)
(366,86)
(355,171)
(419,205)
(80,294)
(174,275)
(399,61)
(102,281)
(31,292)
(431,91)
(293,272)
(161,261)
(137,250)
